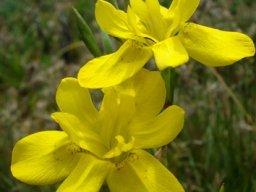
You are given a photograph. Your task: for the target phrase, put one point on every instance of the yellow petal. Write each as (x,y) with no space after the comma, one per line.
(43,158)
(115,68)
(73,99)
(151,17)
(139,8)
(112,20)
(137,27)
(88,175)
(138,99)
(142,173)
(183,9)
(155,22)
(169,53)
(120,147)
(214,47)
(179,12)
(148,91)
(116,112)
(80,133)
(159,131)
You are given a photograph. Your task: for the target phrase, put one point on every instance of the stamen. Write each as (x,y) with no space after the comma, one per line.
(73,148)
(130,157)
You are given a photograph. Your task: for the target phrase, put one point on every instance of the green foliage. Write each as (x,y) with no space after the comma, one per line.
(222,188)
(87,35)
(11,72)
(107,43)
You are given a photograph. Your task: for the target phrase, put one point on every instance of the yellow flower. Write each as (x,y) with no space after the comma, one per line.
(151,29)
(105,144)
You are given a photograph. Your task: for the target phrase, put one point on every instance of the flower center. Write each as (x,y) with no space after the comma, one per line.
(125,158)
(119,155)
(120,147)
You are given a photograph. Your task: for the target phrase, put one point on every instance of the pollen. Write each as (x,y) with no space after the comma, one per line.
(129,158)
(73,148)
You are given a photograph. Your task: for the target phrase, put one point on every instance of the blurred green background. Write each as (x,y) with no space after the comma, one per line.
(40,44)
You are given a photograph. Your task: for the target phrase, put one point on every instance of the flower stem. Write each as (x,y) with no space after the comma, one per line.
(169,76)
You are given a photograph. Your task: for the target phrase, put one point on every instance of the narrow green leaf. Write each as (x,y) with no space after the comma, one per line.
(87,35)
(222,188)
(107,43)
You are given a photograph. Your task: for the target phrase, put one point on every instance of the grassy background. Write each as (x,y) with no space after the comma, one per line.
(39,45)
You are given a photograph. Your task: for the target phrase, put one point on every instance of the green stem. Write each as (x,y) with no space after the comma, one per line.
(169,76)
